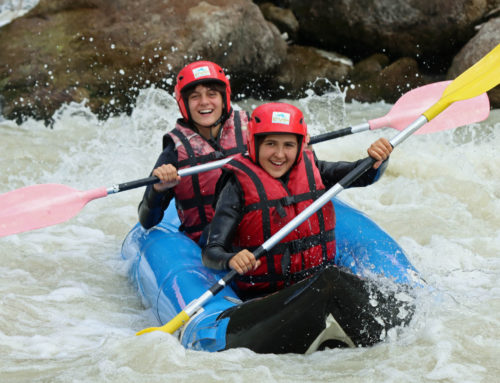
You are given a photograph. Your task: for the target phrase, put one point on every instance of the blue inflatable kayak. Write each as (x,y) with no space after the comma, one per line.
(351,305)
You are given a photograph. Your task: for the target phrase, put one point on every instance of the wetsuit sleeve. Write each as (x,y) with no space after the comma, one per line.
(228,214)
(333,172)
(153,204)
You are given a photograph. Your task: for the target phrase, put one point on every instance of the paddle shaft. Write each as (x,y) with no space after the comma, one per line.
(464,87)
(153,180)
(471,110)
(219,163)
(352,176)
(339,133)
(479,78)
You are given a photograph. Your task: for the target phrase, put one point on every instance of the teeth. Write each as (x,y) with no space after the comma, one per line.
(206,111)
(277,163)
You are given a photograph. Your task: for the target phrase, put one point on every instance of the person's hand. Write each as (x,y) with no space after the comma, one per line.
(168,177)
(308,138)
(243,262)
(380,151)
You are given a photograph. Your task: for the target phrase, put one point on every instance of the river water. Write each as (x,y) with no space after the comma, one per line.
(68,312)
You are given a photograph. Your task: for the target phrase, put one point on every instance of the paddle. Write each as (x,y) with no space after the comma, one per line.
(412,104)
(481,77)
(38,206)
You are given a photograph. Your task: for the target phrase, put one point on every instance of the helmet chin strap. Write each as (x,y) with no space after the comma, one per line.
(219,121)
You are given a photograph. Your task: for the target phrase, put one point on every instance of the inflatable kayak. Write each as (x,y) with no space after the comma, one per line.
(356,303)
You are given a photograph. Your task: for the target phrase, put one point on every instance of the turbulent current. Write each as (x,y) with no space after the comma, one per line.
(68,312)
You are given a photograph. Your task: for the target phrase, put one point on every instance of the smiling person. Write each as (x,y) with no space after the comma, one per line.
(261,192)
(208,130)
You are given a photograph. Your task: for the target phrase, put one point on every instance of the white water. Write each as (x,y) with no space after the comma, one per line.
(11,9)
(69,314)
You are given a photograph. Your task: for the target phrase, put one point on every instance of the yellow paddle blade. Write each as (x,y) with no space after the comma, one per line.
(479,78)
(169,327)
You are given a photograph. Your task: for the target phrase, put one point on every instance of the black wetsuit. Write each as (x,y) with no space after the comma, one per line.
(229,207)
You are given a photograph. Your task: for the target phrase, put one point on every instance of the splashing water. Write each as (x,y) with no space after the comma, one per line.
(69,312)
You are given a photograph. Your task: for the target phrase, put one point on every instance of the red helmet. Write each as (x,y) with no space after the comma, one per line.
(196,73)
(275,117)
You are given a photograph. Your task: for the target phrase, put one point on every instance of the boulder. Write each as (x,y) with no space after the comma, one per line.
(429,31)
(104,51)
(387,84)
(283,18)
(484,41)
(309,68)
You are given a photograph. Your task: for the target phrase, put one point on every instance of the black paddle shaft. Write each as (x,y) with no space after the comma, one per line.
(137,183)
(153,180)
(330,135)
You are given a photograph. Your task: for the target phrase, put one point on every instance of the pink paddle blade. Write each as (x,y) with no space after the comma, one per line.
(415,102)
(37,206)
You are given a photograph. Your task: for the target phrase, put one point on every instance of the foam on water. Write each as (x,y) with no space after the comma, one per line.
(69,313)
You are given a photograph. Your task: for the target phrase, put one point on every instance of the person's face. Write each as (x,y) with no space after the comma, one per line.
(277,153)
(205,106)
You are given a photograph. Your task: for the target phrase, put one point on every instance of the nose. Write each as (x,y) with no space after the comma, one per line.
(280,150)
(204,99)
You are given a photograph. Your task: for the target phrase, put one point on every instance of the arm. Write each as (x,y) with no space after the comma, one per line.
(217,252)
(333,172)
(228,215)
(155,202)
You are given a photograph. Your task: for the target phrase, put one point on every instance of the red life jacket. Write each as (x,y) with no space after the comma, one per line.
(270,205)
(194,194)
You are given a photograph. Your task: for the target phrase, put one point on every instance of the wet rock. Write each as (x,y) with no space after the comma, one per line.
(430,31)
(309,68)
(106,51)
(283,18)
(387,84)
(103,53)
(485,40)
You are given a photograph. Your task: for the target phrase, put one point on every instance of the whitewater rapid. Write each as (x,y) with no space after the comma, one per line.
(68,312)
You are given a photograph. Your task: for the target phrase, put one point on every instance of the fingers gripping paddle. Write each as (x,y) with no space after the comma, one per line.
(481,77)
(38,206)
(412,104)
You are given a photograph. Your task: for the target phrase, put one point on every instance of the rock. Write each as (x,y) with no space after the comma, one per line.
(429,31)
(106,51)
(389,84)
(309,68)
(284,19)
(103,53)
(368,68)
(484,41)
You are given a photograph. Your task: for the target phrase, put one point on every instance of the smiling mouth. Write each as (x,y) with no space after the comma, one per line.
(278,164)
(206,111)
